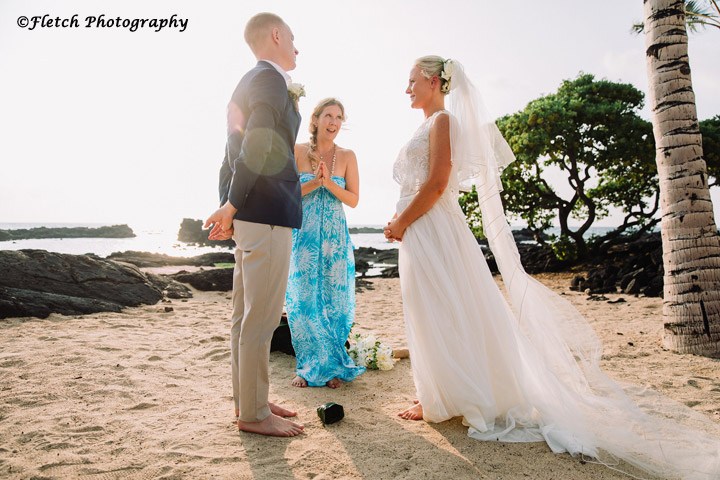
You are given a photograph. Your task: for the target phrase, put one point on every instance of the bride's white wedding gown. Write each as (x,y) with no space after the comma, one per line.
(525,370)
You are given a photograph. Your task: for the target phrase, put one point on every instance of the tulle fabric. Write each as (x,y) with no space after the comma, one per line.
(526,369)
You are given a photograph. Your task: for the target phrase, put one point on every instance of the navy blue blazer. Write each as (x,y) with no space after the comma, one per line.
(258,174)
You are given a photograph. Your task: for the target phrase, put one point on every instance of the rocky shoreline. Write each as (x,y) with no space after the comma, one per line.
(36,283)
(112,231)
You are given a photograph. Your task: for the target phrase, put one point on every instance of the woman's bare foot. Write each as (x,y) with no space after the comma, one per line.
(334,383)
(272,426)
(299,381)
(280,411)
(413,413)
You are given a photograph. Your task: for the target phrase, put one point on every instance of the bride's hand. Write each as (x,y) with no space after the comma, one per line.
(394,230)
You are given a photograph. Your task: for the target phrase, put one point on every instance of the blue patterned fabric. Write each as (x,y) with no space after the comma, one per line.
(320,297)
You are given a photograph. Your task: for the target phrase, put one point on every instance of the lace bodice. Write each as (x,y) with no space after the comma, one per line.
(412,165)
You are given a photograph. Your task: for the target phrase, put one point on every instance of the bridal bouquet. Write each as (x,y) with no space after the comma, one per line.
(368,351)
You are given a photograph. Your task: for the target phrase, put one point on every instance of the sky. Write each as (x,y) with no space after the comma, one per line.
(107,125)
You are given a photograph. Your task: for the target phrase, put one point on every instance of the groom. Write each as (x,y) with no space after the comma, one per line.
(261,202)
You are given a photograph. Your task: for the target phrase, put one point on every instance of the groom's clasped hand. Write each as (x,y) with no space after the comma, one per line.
(220,223)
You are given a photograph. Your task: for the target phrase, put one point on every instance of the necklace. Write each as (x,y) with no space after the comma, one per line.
(315,165)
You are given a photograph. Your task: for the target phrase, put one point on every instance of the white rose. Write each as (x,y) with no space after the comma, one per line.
(446,74)
(448,69)
(384,361)
(296,90)
(386,365)
(362,358)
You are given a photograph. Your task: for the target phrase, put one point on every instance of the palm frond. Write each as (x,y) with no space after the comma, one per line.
(698,13)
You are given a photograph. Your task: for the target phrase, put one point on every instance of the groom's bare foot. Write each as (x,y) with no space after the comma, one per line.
(272,426)
(413,413)
(334,383)
(299,381)
(274,408)
(280,411)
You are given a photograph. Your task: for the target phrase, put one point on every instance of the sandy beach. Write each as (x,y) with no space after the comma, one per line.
(146,394)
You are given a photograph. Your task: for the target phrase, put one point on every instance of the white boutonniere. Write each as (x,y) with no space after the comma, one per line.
(296,90)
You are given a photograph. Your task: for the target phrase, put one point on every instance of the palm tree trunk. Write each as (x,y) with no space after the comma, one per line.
(691,245)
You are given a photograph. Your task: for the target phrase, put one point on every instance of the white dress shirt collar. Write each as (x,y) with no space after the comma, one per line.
(282,72)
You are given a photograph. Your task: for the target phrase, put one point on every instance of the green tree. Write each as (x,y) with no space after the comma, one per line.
(471,209)
(589,132)
(710,130)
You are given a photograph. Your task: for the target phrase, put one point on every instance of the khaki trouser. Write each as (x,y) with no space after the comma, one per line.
(262,262)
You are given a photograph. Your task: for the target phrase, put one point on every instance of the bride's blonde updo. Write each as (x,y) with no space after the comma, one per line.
(435,66)
(316,116)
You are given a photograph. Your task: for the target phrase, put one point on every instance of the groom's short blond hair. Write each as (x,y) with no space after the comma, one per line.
(258,28)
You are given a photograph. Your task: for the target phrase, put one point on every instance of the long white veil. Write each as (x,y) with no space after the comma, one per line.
(605,419)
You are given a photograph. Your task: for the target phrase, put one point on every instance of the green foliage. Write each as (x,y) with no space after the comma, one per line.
(591,133)
(698,14)
(565,249)
(471,209)
(710,130)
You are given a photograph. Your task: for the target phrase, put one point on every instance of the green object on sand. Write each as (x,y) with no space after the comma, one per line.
(330,413)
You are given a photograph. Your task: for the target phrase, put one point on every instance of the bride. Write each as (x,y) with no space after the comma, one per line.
(525,368)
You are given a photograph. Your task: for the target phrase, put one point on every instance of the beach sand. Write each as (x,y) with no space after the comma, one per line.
(146,394)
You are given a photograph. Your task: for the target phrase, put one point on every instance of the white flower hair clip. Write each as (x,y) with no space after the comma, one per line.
(447,73)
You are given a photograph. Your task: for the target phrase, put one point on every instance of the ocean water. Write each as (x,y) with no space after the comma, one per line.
(148,239)
(164,240)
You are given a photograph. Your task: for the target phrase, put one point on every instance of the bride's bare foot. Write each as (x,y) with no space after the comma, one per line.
(334,383)
(413,413)
(299,381)
(280,411)
(272,426)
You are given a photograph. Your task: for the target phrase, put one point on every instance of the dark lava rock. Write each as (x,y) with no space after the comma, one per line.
(191,232)
(36,283)
(361,266)
(633,266)
(170,287)
(655,287)
(215,280)
(15,302)
(147,259)
(390,272)
(368,257)
(535,258)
